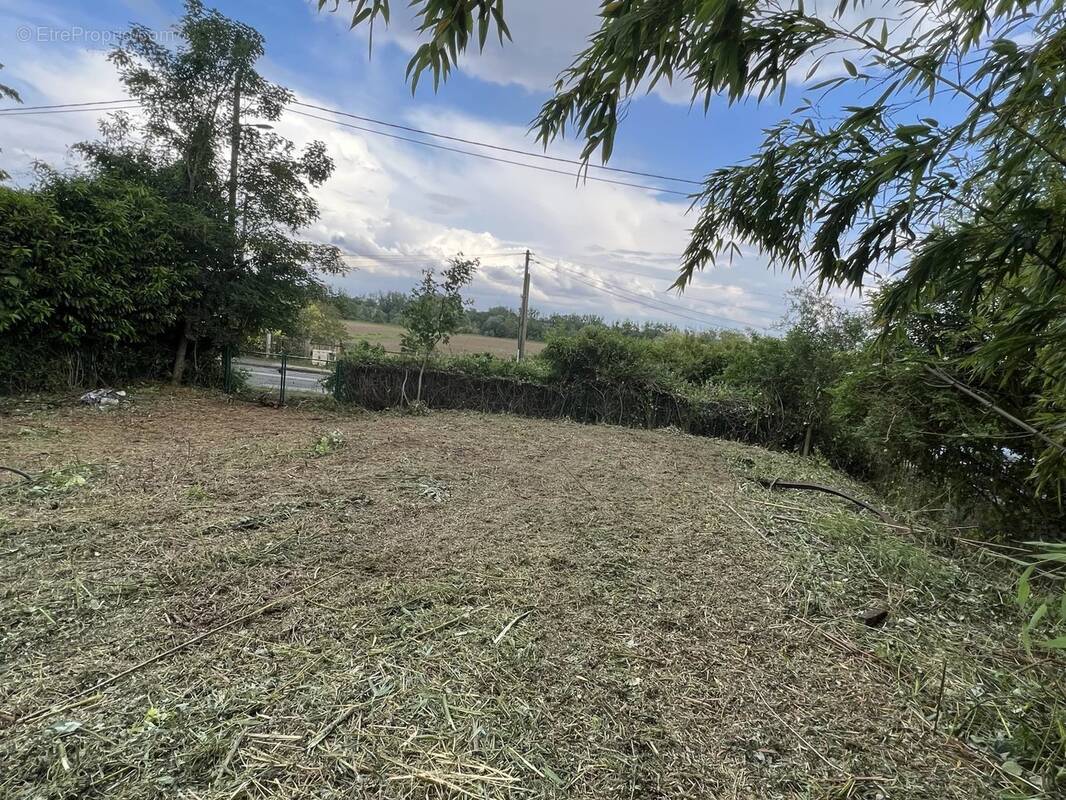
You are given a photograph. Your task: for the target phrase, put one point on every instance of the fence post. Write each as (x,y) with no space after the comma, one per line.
(227,369)
(337,379)
(284,370)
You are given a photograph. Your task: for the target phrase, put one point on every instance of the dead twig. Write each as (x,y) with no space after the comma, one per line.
(339,720)
(749,523)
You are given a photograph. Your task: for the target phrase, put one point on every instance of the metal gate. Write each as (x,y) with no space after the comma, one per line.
(276,376)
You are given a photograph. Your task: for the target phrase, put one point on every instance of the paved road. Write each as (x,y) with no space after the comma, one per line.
(264,375)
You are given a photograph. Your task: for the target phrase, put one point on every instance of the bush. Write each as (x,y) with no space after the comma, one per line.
(91,281)
(601,354)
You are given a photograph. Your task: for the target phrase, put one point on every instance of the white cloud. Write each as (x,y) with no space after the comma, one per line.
(397,202)
(48,75)
(395,199)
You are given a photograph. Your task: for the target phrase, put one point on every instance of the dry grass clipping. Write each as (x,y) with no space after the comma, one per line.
(578,614)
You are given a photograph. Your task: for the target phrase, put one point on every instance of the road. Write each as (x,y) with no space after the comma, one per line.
(266,375)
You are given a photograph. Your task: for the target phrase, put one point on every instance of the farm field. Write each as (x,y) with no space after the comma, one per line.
(308,603)
(388,336)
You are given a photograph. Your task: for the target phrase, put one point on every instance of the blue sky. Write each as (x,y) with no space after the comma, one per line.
(403,206)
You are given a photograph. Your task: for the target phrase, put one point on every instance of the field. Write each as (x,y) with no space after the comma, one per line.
(206,599)
(388,336)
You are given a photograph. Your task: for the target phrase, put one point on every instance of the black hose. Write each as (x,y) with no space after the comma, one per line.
(17,472)
(815,487)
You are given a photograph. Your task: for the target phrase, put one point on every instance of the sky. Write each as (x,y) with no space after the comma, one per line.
(398,207)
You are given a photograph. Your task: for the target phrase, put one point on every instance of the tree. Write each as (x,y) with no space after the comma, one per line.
(95,267)
(940,446)
(435,311)
(320,323)
(793,376)
(252,182)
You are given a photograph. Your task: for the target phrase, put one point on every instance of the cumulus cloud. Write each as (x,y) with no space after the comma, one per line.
(391,199)
(396,208)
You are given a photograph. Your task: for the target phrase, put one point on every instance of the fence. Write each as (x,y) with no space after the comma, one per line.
(276,375)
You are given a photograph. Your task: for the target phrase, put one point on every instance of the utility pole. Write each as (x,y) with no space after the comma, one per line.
(524,319)
(235,142)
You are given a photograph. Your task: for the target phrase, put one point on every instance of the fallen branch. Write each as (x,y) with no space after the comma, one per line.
(776,483)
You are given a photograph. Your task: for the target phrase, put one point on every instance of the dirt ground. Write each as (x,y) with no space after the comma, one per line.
(388,336)
(460,605)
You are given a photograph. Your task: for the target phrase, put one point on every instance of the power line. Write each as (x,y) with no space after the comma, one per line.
(422,256)
(18,112)
(648,305)
(98,106)
(69,105)
(485,156)
(715,319)
(640,274)
(530,153)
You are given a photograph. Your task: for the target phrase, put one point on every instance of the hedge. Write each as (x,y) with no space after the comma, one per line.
(378,386)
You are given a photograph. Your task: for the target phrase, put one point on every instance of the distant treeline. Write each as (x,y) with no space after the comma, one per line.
(498,321)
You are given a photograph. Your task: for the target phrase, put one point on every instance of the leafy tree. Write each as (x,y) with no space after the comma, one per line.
(207,139)
(435,311)
(701,358)
(793,376)
(601,354)
(91,265)
(320,323)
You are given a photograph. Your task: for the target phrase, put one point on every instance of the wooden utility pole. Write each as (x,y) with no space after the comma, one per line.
(524,318)
(235,145)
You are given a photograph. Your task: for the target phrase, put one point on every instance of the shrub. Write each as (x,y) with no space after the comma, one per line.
(601,354)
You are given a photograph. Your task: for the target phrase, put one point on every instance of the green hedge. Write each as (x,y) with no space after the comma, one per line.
(378,382)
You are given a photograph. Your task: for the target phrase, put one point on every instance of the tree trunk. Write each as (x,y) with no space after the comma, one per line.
(179,355)
(418,393)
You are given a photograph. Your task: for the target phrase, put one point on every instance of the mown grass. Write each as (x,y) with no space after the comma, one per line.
(457,605)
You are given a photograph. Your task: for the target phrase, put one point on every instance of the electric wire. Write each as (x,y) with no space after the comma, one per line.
(409,129)
(397,259)
(112,106)
(663,305)
(516,151)
(487,157)
(69,105)
(18,112)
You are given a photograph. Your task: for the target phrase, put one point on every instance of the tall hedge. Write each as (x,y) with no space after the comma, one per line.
(93,273)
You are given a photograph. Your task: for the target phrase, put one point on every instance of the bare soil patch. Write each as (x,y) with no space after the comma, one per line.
(500,607)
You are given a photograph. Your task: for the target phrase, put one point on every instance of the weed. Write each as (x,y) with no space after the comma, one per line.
(62,480)
(328,443)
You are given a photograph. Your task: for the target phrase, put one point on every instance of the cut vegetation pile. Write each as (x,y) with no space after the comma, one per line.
(209,600)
